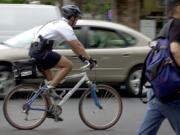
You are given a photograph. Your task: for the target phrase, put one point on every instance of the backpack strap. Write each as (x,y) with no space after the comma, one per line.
(143,78)
(36,35)
(164,33)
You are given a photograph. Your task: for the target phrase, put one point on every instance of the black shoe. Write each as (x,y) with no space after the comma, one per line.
(52,116)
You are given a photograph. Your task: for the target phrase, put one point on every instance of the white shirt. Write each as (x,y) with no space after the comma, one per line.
(58,30)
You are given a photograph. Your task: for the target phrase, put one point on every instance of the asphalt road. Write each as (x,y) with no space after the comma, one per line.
(72,125)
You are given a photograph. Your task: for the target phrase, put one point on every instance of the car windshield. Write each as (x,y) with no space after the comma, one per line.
(22,40)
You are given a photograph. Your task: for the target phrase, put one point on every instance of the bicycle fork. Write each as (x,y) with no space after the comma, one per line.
(94,96)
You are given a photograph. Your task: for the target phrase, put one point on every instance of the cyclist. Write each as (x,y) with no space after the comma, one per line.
(57,32)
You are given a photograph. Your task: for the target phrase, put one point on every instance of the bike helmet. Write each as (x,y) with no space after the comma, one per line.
(71,10)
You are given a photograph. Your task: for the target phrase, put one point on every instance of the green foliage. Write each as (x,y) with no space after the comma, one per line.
(88,6)
(12,1)
(96,6)
(48,2)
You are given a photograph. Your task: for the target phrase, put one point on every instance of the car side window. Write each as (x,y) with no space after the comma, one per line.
(130,39)
(105,38)
(64,45)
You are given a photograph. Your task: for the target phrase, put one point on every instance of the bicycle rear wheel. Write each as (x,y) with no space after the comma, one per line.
(13,108)
(104,118)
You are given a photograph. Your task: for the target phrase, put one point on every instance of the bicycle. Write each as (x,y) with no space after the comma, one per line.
(29,111)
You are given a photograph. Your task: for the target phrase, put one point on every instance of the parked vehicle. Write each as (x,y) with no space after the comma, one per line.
(16,18)
(119,50)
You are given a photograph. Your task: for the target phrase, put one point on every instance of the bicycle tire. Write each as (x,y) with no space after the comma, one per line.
(87,108)
(15,99)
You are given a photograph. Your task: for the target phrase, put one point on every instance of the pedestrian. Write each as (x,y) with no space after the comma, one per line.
(158,111)
(58,32)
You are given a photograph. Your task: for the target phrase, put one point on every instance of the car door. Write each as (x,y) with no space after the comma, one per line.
(109,47)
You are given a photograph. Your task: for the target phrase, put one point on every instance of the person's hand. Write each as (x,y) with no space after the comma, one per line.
(92,62)
(82,58)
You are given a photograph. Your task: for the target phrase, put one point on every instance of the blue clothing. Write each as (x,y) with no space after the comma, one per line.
(157,112)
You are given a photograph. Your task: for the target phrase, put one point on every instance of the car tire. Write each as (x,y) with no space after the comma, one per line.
(133,80)
(6,80)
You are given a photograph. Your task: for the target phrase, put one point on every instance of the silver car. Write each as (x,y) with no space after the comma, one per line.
(119,50)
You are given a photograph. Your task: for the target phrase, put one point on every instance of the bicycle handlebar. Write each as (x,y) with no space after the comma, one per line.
(86,66)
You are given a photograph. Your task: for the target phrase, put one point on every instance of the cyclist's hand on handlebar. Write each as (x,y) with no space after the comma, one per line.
(92,62)
(82,58)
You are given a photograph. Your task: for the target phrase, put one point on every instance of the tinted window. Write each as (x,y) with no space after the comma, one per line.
(77,31)
(105,38)
(131,40)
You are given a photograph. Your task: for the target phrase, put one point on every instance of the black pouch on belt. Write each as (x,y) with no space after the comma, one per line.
(34,48)
(45,44)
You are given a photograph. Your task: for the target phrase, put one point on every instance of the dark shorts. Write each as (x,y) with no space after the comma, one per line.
(48,60)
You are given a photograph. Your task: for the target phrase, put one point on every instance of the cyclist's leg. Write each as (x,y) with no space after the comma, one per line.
(65,66)
(48,74)
(45,65)
(54,60)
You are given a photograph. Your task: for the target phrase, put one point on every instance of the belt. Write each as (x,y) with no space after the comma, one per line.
(41,39)
(44,40)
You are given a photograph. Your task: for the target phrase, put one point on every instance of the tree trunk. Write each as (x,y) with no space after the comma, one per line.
(126,12)
(60,3)
(78,3)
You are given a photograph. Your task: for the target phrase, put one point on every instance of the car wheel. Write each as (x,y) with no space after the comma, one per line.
(6,80)
(133,81)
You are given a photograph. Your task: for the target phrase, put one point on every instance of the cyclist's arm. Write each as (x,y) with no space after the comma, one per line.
(78,48)
(175,50)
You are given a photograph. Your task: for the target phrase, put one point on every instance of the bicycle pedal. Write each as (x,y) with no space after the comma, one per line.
(58,118)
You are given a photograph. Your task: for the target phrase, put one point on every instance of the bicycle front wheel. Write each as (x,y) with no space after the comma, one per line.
(16,115)
(105,117)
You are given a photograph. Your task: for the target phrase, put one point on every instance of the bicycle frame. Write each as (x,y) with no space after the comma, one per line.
(84,78)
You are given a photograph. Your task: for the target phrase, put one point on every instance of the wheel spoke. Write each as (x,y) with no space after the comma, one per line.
(101,118)
(13,108)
